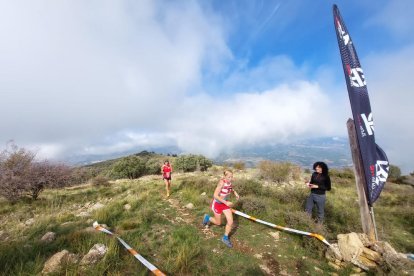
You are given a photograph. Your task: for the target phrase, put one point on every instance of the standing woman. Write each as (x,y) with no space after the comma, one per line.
(318,184)
(166,171)
(221,204)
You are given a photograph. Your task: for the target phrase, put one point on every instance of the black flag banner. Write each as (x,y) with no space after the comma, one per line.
(373,158)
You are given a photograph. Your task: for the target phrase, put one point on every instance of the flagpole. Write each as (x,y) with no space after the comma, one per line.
(367,219)
(371,212)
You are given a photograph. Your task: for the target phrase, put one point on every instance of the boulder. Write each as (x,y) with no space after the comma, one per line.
(275,235)
(364,263)
(364,239)
(56,262)
(95,254)
(349,245)
(83,214)
(48,237)
(97,206)
(334,266)
(333,253)
(189,206)
(371,255)
(29,221)
(383,247)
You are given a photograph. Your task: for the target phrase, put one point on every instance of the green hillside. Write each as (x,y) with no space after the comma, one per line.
(170,236)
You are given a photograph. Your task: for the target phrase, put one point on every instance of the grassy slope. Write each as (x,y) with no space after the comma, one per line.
(170,236)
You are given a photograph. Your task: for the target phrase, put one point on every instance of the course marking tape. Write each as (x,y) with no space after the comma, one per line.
(133,252)
(319,237)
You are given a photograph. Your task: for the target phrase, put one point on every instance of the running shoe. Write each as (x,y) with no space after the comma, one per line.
(227,242)
(206,219)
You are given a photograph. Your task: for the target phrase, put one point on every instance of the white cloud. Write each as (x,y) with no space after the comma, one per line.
(390,85)
(295,111)
(107,76)
(74,76)
(396,17)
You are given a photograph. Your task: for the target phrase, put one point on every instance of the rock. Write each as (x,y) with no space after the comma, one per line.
(383,248)
(55,263)
(83,214)
(48,237)
(334,266)
(349,245)
(265,269)
(371,255)
(89,229)
(397,262)
(203,194)
(365,263)
(29,222)
(333,253)
(189,206)
(258,256)
(356,269)
(97,206)
(317,269)
(275,235)
(127,207)
(364,239)
(95,254)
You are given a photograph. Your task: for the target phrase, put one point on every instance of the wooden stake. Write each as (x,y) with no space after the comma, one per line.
(366,219)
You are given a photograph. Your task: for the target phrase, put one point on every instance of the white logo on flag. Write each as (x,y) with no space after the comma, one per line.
(381,168)
(356,77)
(344,36)
(369,123)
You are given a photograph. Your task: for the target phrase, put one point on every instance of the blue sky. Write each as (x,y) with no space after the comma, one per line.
(100,77)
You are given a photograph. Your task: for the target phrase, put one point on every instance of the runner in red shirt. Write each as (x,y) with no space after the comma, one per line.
(221,204)
(166,171)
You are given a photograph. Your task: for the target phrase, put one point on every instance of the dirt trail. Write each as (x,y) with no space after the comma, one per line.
(268,264)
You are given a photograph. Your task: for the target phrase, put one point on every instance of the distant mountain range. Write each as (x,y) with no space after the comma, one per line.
(332,150)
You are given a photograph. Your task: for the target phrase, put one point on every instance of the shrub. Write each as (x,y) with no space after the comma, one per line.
(347,173)
(131,167)
(395,172)
(153,166)
(289,195)
(252,205)
(21,175)
(44,174)
(279,172)
(100,180)
(248,187)
(199,183)
(181,250)
(239,165)
(82,175)
(191,163)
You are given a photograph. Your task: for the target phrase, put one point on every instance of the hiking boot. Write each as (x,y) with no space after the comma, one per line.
(206,220)
(227,242)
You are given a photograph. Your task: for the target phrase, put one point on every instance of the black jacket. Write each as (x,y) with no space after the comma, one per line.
(323,182)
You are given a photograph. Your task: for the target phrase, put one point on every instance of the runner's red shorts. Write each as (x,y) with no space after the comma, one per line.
(218,207)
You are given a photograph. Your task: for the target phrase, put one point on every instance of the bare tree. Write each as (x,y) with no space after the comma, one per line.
(14,166)
(21,174)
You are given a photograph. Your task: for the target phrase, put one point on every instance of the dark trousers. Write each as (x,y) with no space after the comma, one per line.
(319,200)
